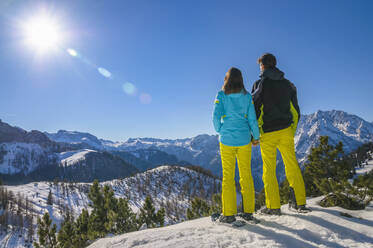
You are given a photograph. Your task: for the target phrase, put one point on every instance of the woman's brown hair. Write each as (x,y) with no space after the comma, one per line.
(233,82)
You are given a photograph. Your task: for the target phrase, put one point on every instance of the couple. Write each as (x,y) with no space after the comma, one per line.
(270,115)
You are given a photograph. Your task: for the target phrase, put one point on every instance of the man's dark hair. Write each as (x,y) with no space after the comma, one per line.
(268,60)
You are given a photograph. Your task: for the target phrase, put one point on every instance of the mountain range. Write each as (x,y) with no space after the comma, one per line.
(71,152)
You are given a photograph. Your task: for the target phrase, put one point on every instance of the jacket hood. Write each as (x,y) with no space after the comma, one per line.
(273,73)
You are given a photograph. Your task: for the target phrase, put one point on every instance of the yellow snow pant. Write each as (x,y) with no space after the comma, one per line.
(283,140)
(228,160)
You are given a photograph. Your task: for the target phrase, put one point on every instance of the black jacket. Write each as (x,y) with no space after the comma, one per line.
(275,100)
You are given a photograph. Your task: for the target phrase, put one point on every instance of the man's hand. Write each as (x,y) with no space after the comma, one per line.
(255,142)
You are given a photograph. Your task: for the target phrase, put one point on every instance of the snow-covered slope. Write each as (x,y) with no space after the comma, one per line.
(23,157)
(73,157)
(170,186)
(321,228)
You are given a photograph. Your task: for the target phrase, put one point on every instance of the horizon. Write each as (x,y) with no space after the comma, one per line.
(160,138)
(121,70)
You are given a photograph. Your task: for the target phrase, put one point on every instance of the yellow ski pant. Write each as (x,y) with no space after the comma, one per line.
(228,160)
(283,140)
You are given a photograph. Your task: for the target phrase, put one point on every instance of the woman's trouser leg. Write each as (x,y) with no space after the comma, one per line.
(228,195)
(246,179)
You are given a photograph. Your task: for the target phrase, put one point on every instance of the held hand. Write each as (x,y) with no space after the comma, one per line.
(255,142)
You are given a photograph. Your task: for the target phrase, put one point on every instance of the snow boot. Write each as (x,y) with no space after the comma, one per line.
(246,216)
(271,211)
(299,208)
(293,206)
(249,217)
(227,219)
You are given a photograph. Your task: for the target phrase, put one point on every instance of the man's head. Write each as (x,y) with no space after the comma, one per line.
(266,61)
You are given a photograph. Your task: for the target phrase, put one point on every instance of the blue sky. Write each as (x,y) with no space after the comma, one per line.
(177,53)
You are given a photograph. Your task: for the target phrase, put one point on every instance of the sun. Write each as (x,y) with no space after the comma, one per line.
(42,33)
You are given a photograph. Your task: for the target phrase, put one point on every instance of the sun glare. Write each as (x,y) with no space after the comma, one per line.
(42,33)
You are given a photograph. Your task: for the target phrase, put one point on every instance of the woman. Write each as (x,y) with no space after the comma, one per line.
(235,120)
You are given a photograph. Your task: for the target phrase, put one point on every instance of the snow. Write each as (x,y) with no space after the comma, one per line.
(20,157)
(72,157)
(324,227)
(366,169)
(165,183)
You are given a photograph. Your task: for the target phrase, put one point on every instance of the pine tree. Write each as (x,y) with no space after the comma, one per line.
(50,198)
(125,218)
(147,213)
(198,209)
(216,203)
(46,232)
(111,209)
(81,230)
(325,162)
(66,235)
(159,218)
(97,218)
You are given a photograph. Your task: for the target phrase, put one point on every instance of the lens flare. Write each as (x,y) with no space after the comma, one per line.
(129,88)
(145,98)
(72,52)
(104,72)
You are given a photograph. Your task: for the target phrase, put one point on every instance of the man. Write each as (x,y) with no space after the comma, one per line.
(278,113)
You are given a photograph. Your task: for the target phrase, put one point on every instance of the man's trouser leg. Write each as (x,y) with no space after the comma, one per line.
(246,179)
(292,170)
(268,145)
(228,195)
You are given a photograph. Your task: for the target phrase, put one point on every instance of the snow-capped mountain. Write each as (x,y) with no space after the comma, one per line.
(23,157)
(32,156)
(74,137)
(202,150)
(351,130)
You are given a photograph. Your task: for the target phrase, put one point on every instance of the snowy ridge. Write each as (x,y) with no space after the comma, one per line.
(171,187)
(73,157)
(74,137)
(321,228)
(22,157)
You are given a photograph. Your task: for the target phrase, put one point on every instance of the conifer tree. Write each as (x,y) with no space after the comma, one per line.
(81,229)
(199,209)
(125,218)
(50,198)
(159,218)
(46,232)
(147,213)
(111,209)
(97,218)
(325,162)
(66,235)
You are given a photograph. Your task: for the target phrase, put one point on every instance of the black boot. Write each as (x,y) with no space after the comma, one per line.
(227,219)
(271,211)
(246,216)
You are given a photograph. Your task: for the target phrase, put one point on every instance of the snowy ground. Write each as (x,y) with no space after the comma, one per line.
(324,227)
(367,168)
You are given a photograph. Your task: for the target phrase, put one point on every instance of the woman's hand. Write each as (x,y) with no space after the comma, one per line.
(255,142)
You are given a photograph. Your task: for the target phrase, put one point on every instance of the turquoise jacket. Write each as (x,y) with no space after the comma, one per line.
(234,118)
